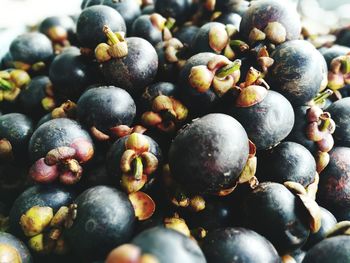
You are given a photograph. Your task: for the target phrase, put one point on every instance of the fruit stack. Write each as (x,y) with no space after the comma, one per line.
(168,131)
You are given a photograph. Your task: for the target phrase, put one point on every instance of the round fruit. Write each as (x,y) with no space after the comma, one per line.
(208,155)
(178,9)
(58,28)
(13,250)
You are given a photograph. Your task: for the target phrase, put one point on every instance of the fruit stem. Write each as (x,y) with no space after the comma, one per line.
(228,69)
(322,96)
(110,35)
(325,125)
(138,168)
(170,22)
(5,84)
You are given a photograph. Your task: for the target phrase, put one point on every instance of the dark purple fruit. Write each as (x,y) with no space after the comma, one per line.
(128,9)
(271,20)
(334,51)
(268,122)
(340,111)
(343,37)
(199,154)
(229,18)
(13,250)
(288,161)
(334,249)
(104,219)
(130,63)
(334,186)
(15,132)
(37,98)
(274,212)
(29,49)
(105,109)
(58,148)
(59,29)
(134,161)
(71,73)
(178,9)
(327,224)
(168,246)
(186,34)
(239,245)
(299,71)
(91,22)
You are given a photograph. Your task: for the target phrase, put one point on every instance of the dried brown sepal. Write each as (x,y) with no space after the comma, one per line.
(312,188)
(72,172)
(137,142)
(72,215)
(117,42)
(57,34)
(126,253)
(6,152)
(288,259)
(322,160)
(275,32)
(60,217)
(251,95)
(35,220)
(197,203)
(130,184)
(150,162)
(227,191)
(249,171)
(99,135)
(67,109)
(201,78)
(295,187)
(313,210)
(143,204)
(42,173)
(84,150)
(218,38)
(341,228)
(178,224)
(102,52)
(59,154)
(256,35)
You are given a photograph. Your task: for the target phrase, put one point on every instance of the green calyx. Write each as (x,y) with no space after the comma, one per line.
(229,69)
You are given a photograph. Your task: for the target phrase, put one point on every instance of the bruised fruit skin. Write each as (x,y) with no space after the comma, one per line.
(106,107)
(53,196)
(267,122)
(134,71)
(91,22)
(163,244)
(262,14)
(334,186)
(105,219)
(288,161)
(328,222)
(334,249)
(228,245)
(15,132)
(208,155)
(13,250)
(299,71)
(274,212)
(340,110)
(31,48)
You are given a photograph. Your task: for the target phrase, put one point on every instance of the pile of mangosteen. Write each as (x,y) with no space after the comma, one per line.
(176,131)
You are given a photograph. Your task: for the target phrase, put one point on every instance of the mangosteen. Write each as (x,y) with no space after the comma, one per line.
(334,51)
(154,28)
(128,9)
(180,10)
(334,249)
(58,148)
(91,21)
(13,250)
(130,63)
(38,98)
(104,219)
(162,108)
(328,221)
(88,3)
(229,18)
(105,110)
(71,73)
(160,245)
(268,118)
(15,132)
(204,79)
(274,212)
(186,34)
(334,186)
(288,161)
(299,71)
(208,155)
(134,161)
(238,245)
(31,51)
(339,111)
(343,37)
(270,20)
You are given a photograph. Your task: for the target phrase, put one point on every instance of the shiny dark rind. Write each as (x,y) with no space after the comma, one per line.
(31,48)
(91,21)
(260,13)
(186,34)
(209,154)
(105,107)
(239,245)
(105,219)
(169,246)
(268,122)
(288,161)
(8,239)
(298,72)
(53,134)
(334,249)
(229,18)
(17,128)
(334,187)
(142,27)
(340,112)
(135,71)
(274,212)
(53,196)
(178,9)
(63,21)
(328,221)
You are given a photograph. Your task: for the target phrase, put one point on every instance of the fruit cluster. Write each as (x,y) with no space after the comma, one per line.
(161,131)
